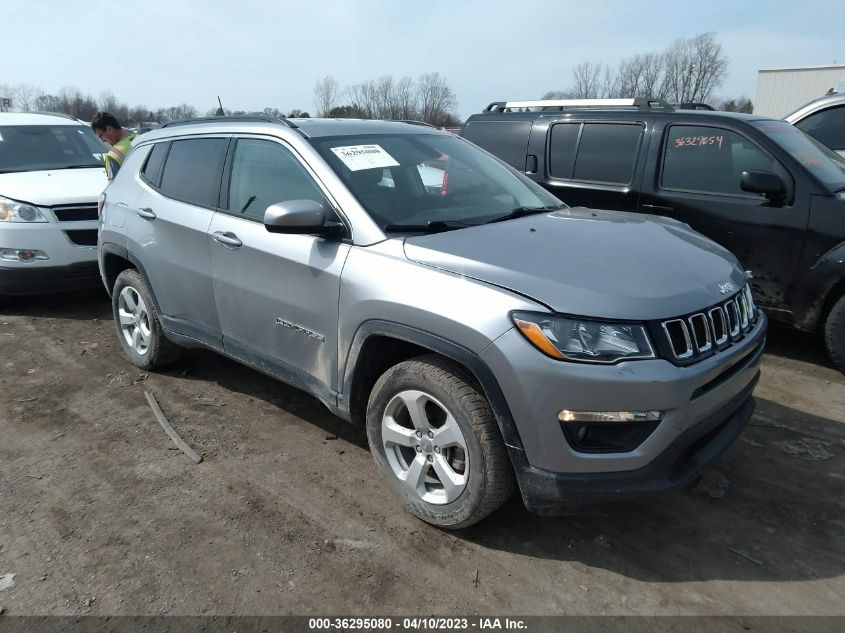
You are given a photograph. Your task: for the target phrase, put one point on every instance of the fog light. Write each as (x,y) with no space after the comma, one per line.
(610,416)
(22,254)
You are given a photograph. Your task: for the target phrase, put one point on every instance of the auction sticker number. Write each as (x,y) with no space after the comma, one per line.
(358,157)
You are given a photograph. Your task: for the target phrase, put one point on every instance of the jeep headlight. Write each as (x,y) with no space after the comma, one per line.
(11,211)
(584,340)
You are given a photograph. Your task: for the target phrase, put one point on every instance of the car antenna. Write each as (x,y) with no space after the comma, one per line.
(220,111)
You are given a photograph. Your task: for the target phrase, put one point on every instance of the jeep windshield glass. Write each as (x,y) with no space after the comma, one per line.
(42,147)
(823,163)
(429,180)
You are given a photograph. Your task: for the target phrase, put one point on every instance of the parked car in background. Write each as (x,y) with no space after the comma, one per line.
(51,174)
(482,331)
(824,120)
(763,189)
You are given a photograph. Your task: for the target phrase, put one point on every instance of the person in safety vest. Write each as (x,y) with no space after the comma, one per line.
(108,130)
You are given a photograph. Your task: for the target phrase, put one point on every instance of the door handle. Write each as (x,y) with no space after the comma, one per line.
(146,213)
(658,207)
(227,239)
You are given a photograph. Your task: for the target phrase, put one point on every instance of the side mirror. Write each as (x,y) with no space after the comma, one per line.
(300,217)
(766,183)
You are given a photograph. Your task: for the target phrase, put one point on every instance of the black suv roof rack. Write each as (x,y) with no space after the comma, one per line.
(241,118)
(693,105)
(638,103)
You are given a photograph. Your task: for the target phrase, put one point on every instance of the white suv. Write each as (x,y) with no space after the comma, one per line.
(51,175)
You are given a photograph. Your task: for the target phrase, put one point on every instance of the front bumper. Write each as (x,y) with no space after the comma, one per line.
(70,266)
(705,407)
(549,493)
(33,280)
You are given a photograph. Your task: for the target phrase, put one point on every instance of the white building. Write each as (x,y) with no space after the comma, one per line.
(782,90)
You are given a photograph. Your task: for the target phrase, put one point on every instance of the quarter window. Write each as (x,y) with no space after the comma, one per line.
(508,140)
(712,160)
(154,162)
(264,173)
(192,171)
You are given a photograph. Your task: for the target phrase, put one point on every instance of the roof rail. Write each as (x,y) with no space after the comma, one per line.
(415,122)
(61,114)
(638,103)
(243,118)
(693,105)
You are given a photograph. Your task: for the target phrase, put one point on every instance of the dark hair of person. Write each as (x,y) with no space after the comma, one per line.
(102,120)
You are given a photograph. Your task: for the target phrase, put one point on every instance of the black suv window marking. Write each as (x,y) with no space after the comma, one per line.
(264,173)
(193,169)
(711,160)
(152,168)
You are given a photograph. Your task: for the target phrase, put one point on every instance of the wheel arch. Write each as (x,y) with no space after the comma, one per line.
(378,345)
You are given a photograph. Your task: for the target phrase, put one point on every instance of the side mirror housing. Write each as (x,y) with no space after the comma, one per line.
(766,183)
(302,217)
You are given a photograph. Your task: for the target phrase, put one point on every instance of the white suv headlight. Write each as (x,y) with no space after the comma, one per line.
(584,340)
(11,211)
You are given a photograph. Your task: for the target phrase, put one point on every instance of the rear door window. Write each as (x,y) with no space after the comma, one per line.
(711,160)
(562,146)
(508,140)
(607,152)
(193,169)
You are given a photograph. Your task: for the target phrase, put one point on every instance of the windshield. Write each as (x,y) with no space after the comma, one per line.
(41,147)
(414,180)
(823,163)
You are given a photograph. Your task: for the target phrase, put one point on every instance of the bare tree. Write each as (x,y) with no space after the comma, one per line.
(695,67)
(688,70)
(436,101)
(587,80)
(325,95)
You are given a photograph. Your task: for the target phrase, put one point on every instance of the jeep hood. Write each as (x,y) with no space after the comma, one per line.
(56,186)
(590,263)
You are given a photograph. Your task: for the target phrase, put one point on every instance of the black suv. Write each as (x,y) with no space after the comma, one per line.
(758,186)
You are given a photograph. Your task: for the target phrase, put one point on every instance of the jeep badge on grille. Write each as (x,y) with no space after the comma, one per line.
(726,288)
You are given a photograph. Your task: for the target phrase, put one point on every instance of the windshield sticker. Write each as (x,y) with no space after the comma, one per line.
(358,157)
(698,141)
(1,137)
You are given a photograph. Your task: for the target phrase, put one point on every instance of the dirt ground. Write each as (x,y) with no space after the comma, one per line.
(286,515)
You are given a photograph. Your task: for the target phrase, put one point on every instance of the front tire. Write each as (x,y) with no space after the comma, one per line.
(138,326)
(834,334)
(435,440)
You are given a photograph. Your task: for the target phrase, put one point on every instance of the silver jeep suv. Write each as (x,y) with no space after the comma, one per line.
(484,333)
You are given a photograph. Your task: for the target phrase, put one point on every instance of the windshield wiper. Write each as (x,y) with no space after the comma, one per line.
(432,226)
(81,166)
(521,212)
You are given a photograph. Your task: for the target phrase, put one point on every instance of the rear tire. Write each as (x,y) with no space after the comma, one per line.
(436,442)
(834,334)
(138,327)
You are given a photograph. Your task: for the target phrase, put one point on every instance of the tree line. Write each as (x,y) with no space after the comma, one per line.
(689,70)
(428,99)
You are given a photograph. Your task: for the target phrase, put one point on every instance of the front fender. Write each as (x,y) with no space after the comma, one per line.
(818,289)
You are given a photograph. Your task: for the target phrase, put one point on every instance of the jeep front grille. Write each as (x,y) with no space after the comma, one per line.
(700,334)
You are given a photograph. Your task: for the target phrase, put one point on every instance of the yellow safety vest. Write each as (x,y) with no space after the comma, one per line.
(117,154)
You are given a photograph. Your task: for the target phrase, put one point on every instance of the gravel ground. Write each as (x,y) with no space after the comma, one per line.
(286,515)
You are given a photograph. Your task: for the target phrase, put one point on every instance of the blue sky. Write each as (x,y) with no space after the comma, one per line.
(257,53)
